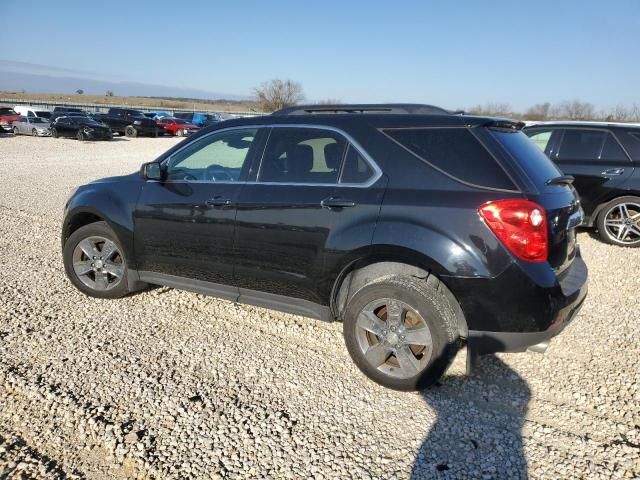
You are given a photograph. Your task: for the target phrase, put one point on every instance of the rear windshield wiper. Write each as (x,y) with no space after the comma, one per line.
(561,180)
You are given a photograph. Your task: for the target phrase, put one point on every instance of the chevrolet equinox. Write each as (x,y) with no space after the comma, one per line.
(420,229)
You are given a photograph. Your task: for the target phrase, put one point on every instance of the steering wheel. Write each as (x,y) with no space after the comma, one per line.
(217,174)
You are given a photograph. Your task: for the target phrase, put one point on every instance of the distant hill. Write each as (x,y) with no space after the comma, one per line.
(35,82)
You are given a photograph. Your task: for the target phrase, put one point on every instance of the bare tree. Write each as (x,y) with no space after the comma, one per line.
(276,94)
(635,113)
(574,110)
(539,111)
(493,109)
(79,91)
(330,101)
(109,93)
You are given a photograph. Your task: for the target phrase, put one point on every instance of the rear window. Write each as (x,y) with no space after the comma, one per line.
(456,152)
(534,162)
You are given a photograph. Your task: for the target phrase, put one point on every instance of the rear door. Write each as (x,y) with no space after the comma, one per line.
(596,160)
(297,220)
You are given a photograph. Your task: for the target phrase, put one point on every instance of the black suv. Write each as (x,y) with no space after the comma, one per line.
(603,158)
(129,122)
(418,228)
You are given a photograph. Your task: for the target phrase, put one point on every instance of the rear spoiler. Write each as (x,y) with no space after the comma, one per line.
(504,123)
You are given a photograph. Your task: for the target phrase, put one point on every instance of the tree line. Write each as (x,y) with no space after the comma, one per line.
(276,94)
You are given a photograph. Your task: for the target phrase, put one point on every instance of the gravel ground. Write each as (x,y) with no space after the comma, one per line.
(169,384)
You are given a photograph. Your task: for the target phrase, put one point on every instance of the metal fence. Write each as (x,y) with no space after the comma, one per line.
(103,107)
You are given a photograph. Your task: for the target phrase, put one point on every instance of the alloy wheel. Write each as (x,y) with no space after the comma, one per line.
(98,263)
(622,223)
(394,338)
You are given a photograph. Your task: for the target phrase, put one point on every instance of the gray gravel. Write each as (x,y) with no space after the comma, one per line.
(168,384)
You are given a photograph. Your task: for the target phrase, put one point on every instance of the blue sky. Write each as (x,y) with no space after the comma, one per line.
(451,53)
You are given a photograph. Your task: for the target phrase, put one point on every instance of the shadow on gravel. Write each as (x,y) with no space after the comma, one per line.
(478,431)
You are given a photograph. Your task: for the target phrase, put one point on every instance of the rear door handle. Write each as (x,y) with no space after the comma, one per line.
(613,172)
(218,201)
(336,202)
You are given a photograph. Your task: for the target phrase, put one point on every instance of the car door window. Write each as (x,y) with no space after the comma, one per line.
(302,155)
(540,138)
(581,144)
(219,157)
(612,150)
(356,169)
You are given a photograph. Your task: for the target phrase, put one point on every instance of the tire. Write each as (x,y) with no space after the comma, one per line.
(179,132)
(15,130)
(428,301)
(54,133)
(619,222)
(130,132)
(34,133)
(93,239)
(156,133)
(80,136)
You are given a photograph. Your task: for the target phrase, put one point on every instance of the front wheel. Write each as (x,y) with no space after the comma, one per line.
(179,132)
(34,132)
(54,133)
(94,261)
(401,332)
(80,136)
(130,131)
(15,130)
(619,222)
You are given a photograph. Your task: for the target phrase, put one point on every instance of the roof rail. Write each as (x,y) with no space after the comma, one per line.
(398,108)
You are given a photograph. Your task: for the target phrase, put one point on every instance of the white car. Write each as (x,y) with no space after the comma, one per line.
(27,111)
(36,126)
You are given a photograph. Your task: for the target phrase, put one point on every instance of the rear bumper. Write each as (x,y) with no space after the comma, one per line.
(520,309)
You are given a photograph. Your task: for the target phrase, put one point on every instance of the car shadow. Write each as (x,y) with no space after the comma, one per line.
(478,431)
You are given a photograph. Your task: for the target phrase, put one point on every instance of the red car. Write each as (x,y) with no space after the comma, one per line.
(177,126)
(7,117)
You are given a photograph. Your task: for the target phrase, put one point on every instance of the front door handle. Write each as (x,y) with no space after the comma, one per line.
(613,172)
(218,201)
(336,202)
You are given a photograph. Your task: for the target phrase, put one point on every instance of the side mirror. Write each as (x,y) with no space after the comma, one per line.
(152,171)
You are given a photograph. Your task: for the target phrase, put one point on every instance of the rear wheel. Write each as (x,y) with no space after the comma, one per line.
(179,132)
(80,135)
(619,222)
(401,331)
(94,261)
(130,131)
(54,133)
(15,130)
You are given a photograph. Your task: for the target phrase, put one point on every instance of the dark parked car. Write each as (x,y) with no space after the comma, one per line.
(80,127)
(418,228)
(129,122)
(66,111)
(603,158)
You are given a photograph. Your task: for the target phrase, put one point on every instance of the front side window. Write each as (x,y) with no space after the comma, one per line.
(218,157)
(454,151)
(581,144)
(302,155)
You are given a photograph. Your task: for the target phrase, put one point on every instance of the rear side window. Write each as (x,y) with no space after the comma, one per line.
(454,151)
(581,144)
(533,161)
(612,150)
(632,144)
(302,155)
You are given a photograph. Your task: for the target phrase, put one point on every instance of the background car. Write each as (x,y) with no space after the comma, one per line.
(177,126)
(199,119)
(7,117)
(603,158)
(80,127)
(27,111)
(35,126)
(156,115)
(66,111)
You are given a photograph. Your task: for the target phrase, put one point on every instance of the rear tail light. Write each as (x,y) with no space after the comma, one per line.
(521,225)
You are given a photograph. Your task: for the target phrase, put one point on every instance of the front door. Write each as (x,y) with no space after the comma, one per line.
(184,225)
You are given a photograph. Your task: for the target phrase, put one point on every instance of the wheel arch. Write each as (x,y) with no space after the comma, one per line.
(392,262)
(593,219)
